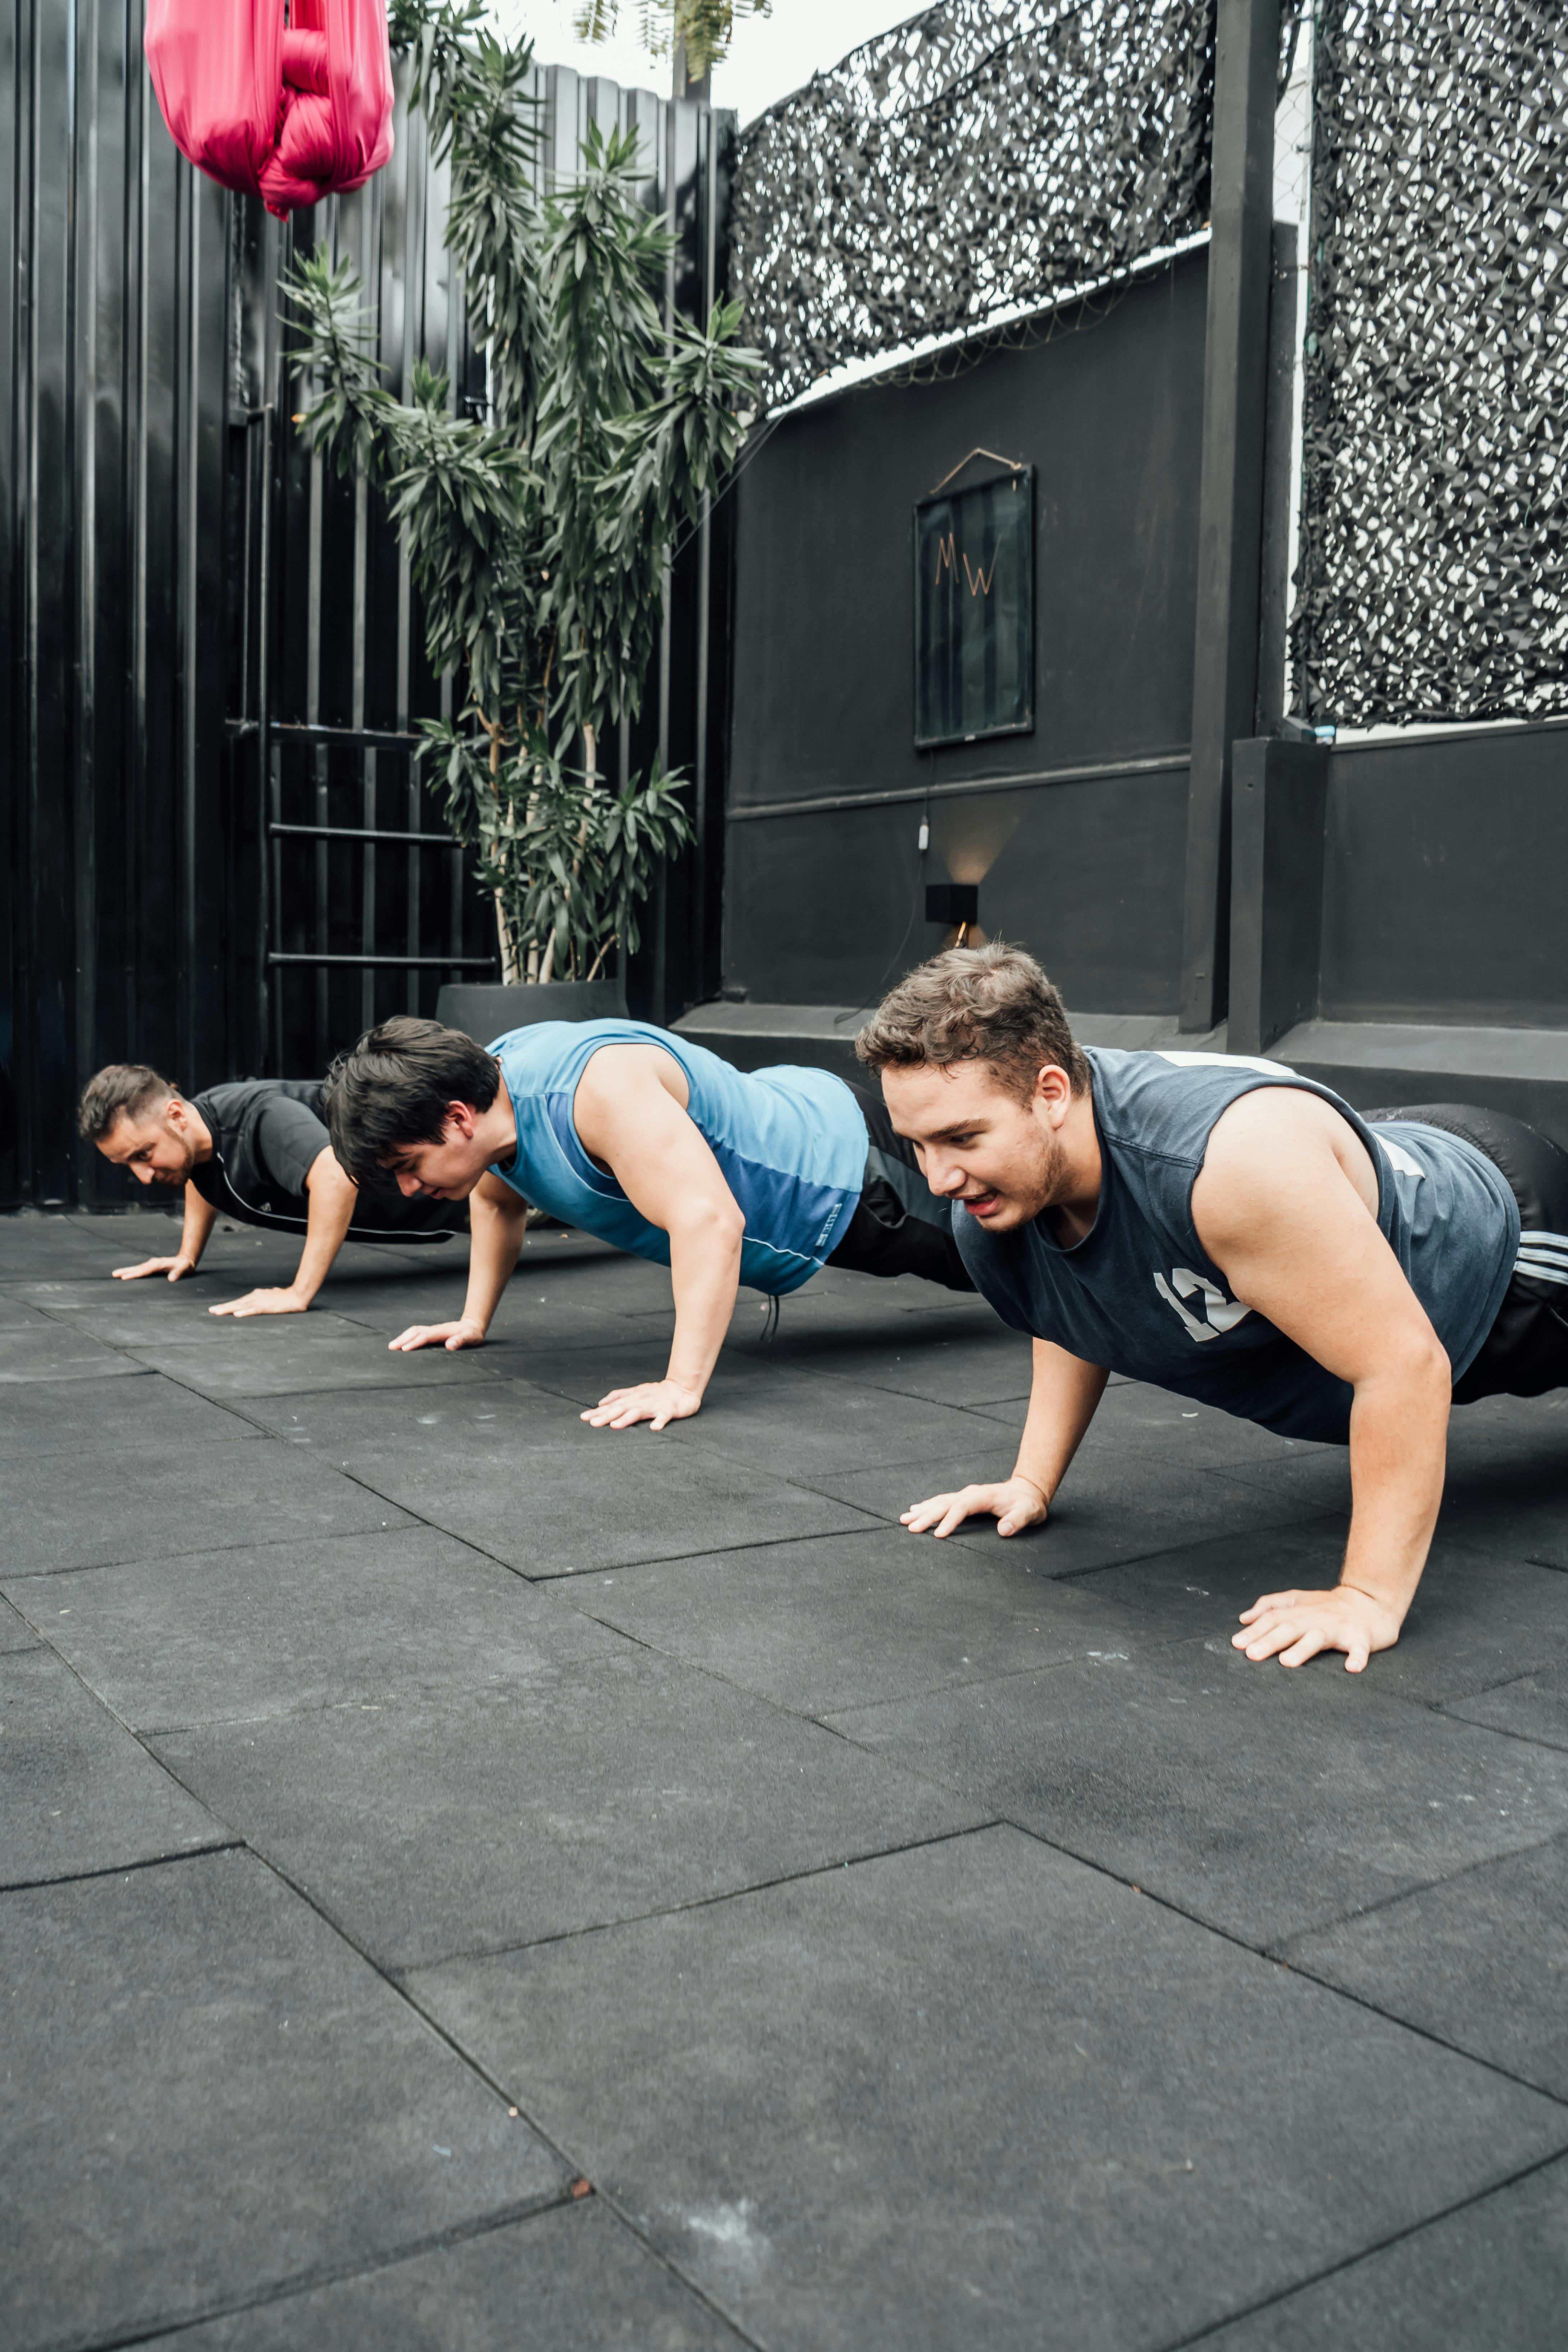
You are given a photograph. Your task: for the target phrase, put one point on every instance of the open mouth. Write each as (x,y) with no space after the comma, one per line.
(981,1204)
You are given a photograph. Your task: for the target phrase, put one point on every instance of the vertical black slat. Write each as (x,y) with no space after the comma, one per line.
(48,950)
(1274,589)
(14,1068)
(85,357)
(1230,509)
(266,1026)
(211,949)
(367,756)
(321,801)
(696,987)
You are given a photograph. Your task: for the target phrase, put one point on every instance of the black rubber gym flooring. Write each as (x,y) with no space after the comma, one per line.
(472,1882)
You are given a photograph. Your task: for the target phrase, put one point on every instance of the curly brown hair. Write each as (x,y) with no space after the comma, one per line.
(976,1004)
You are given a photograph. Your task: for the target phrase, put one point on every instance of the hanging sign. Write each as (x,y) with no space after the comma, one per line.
(974,610)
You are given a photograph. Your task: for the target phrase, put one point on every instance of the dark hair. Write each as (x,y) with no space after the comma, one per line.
(393,1089)
(121,1086)
(976,1004)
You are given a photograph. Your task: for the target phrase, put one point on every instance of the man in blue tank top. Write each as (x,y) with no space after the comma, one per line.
(1227,1229)
(650,1141)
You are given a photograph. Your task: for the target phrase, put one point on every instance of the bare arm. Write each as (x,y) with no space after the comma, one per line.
(1063,1394)
(1286,1207)
(200,1219)
(497,1217)
(631,1117)
(332,1196)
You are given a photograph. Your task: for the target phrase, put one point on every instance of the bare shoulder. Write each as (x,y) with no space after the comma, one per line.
(1273,1149)
(622,1084)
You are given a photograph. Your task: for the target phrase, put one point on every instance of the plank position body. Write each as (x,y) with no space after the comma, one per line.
(653,1144)
(1227,1229)
(257,1151)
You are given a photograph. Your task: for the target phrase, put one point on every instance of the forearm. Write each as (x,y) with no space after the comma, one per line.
(196,1231)
(332,1199)
(1399,1423)
(1063,1395)
(705,1275)
(495,1237)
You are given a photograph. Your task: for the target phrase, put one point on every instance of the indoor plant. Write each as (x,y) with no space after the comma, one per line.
(540,533)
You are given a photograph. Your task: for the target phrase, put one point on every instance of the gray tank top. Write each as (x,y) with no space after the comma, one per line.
(1140,1295)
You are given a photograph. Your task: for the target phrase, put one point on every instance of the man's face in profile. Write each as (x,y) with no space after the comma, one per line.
(157,1147)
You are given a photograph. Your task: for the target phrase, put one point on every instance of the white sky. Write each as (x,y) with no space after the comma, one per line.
(769,56)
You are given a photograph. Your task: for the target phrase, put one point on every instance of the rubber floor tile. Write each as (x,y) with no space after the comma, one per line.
(54,1353)
(16,1634)
(558,1499)
(936,2101)
(1492,2277)
(150,1499)
(922,1362)
(794,1426)
(1535,1706)
(848,1620)
(90,1415)
(19,1313)
(572,2280)
(272,1357)
(34,1248)
(1139,1422)
(1475,1621)
(247,1634)
(1481,1960)
(617,1786)
(1105,1510)
(78,1793)
(218,2097)
(1263,1800)
(421,1418)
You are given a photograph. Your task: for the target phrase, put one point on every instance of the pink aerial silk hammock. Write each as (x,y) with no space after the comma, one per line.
(287,111)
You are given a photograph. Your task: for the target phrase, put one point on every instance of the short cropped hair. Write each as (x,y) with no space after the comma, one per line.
(393,1087)
(976,1004)
(121,1086)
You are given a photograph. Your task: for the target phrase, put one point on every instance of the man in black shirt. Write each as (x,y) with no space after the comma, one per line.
(255,1149)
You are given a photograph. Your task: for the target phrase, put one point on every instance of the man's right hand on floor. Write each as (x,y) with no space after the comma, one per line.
(450,1336)
(173,1266)
(1016,1503)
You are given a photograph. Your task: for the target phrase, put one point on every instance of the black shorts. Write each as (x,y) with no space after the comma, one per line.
(900,1226)
(1526,1351)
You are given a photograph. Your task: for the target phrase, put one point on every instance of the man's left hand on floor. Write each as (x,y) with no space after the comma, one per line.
(657,1402)
(1295,1626)
(263,1302)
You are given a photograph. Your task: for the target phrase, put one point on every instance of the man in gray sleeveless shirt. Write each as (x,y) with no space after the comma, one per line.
(1227,1229)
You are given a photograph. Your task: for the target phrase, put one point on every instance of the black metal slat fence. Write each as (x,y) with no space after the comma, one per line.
(222,852)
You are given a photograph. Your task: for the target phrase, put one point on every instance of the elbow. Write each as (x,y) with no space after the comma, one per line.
(714,1225)
(1417,1370)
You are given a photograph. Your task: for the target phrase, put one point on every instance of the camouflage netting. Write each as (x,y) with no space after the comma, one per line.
(1433,564)
(986,154)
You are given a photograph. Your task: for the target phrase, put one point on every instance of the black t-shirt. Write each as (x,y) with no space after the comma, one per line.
(268,1134)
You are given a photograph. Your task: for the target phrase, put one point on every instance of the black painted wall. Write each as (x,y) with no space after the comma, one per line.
(1446,879)
(1086,870)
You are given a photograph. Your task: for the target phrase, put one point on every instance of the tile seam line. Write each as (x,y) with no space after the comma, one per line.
(227,1843)
(311,2281)
(700,1902)
(1366,2253)
(52,1576)
(565,1575)
(477,2067)
(1270,1956)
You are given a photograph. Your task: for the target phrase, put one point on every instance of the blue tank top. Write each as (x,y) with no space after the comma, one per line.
(1140,1295)
(791,1142)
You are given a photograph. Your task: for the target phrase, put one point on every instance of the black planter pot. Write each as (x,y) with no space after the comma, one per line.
(482,1013)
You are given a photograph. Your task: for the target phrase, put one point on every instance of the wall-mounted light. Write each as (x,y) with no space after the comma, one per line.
(956,904)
